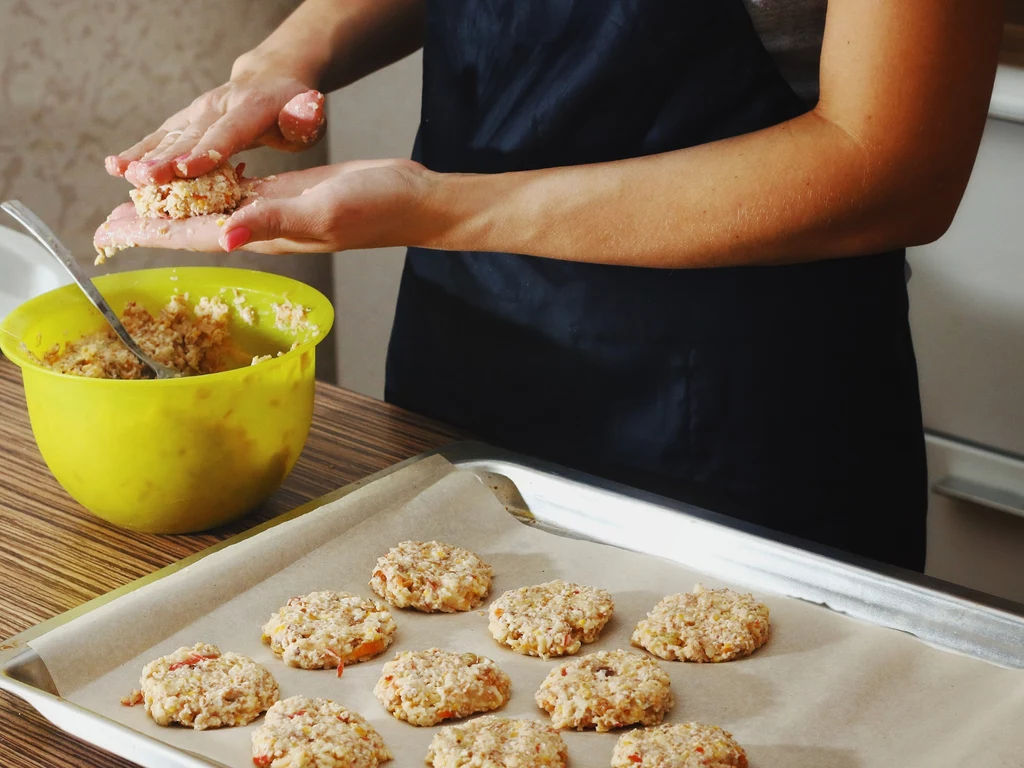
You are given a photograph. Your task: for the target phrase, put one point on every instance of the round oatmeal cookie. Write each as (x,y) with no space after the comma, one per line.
(299,732)
(686,745)
(704,625)
(431,576)
(327,630)
(551,619)
(200,687)
(606,690)
(427,687)
(497,742)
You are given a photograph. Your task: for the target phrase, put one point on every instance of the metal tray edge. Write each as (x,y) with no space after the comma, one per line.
(940,613)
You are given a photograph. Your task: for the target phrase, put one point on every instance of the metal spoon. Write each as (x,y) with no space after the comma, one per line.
(49,240)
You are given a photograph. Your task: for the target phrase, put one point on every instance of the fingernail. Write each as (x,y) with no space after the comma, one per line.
(181,162)
(235,238)
(141,170)
(112,165)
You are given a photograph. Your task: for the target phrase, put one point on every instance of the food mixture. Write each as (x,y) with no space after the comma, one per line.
(292,317)
(200,687)
(327,630)
(303,732)
(427,687)
(431,576)
(683,745)
(191,339)
(219,191)
(498,741)
(606,690)
(551,619)
(705,625)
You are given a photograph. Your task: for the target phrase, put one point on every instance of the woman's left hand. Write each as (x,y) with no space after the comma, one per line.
(362,204)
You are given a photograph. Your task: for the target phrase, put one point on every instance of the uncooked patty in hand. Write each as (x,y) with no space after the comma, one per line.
(704,625)
(219,191)
(497,742)
(551,619)
(606,690)
(427,687)
(685,745)
(326,630)
(299,732)
(200,687)
(431,576)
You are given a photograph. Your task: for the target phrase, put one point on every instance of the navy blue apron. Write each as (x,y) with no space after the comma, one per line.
(783,395)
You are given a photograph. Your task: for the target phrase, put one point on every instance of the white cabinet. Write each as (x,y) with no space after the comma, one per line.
(967,304)
(967,312)
(974,536)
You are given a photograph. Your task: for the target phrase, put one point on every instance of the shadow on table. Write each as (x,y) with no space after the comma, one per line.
(806,637)
(789,756)
(717,698)
(536,564)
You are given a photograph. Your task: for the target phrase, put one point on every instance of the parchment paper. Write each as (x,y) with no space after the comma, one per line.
(827,691)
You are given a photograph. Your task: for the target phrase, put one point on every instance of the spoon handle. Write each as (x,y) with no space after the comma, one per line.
(49,241)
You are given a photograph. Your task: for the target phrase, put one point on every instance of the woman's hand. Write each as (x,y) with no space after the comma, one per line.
(363,204)
(251,109)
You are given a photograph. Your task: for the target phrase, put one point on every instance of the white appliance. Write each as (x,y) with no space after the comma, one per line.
(967,312)
(26,270)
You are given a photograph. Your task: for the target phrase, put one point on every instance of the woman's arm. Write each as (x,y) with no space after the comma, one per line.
(880,163)
(329,44)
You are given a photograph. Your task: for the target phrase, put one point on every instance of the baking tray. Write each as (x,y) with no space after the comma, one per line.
(577,505)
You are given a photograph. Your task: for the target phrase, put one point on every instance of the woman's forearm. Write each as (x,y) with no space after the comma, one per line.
(881,162)
(329,44)
(801,190)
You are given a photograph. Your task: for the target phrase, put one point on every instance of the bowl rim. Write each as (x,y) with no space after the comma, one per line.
(11,343)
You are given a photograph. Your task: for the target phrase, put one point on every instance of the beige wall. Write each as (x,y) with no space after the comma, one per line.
(80,80)
(376,117)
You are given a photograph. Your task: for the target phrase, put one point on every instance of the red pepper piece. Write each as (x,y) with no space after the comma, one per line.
(191,661)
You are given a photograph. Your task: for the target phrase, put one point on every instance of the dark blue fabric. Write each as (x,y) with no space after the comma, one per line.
(783,395)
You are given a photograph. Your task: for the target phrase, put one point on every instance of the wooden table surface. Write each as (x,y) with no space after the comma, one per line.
(54,555)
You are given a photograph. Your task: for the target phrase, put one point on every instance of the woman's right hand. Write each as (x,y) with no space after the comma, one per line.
(250,110)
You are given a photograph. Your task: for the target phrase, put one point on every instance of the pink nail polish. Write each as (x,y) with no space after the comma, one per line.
(235,238)
(150,165)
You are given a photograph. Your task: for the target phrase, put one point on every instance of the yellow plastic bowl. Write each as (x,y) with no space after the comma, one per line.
(175,455)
